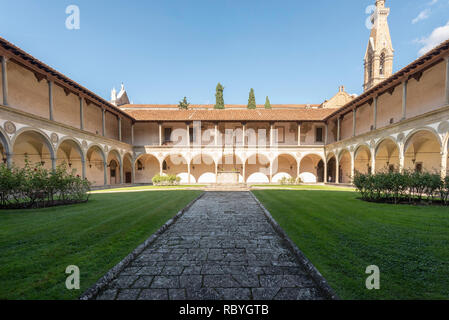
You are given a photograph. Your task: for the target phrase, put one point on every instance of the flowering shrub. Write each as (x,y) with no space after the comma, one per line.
(169,180)
(407,186)
(37,187)
(290,181)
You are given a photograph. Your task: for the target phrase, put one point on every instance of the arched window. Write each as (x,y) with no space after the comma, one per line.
(382,64)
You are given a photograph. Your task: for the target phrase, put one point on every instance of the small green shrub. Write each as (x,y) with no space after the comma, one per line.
(168,180)
(406,186)
(37,187)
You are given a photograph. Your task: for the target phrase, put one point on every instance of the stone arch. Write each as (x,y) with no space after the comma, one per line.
(202,168)
(422,151)
(387,155)
(344,166)
(114,165)
(127,163)
(284,165)
(146,166)
(257,169)
(308,168)
(331,168)
(70,153)
(362,159)
(34,145)
(95,160)
(177,164)
(5,147)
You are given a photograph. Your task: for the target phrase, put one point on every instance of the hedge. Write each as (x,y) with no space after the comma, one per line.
(399,187)
(37,187)
(169,180)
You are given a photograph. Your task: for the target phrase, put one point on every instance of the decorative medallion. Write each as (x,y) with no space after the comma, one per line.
(10,127)
(84,144)
(372,143)
(443,127)
(351,149)
(54,138)
(106,148)
(401,137)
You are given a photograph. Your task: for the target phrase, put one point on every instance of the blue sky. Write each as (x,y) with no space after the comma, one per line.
(293,51)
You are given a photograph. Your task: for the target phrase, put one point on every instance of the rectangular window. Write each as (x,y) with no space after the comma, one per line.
(280,134)
(191,134)
(167,134)
(319,134)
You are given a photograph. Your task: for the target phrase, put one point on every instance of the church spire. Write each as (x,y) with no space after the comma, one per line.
(380,52)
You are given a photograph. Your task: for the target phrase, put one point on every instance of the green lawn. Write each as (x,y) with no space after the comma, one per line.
(304,187)
(149,187)
(36,246)
(342,235)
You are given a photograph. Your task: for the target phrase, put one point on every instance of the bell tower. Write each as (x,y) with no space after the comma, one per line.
(379,53)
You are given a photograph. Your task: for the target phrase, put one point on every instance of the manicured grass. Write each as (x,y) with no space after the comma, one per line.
(143,188)
(304,187)
(342,235)
(36,246)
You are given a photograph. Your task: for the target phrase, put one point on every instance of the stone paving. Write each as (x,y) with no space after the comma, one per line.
(221,248)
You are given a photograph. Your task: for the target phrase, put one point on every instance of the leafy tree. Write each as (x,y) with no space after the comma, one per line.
(184,104)
(267,104)
(219,104)
(252,100)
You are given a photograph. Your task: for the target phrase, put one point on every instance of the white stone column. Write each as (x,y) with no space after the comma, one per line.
(83,168)
(404,100)
(216,173)
(121,173)
(326,134)
(5,80)
(50,99)
(352,166)
(216,134)
(401,158)
(354,121)
(103,121)
(299,134)
(271,172)
(9,158)
(133,173)
(325,170)
(188,134)
(161,171)
(444,163)
(339,128)
(105,166)
(53,163)
(373,161)
(244,172)
(337,170)
(298,167)
(243,134)
(132,133)
(160,133)
(188,172)
(81,113)
(375,113)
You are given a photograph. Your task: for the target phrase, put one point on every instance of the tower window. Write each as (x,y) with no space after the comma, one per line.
(370,66)
(382,64)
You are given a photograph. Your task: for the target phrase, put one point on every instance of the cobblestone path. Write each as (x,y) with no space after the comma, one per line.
(221,248)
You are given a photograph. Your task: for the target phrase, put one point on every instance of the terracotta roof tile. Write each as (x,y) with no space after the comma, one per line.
(231,115)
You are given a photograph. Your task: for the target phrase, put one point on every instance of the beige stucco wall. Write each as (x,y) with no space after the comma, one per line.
(429,93)
(111,123)
(25,92)
(146,134)
(346,126)
(66,109)
(126,130)
(92,118)
(389,106)
(364,119)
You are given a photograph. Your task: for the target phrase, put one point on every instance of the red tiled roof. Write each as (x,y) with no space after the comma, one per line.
(231,115)
(211,106)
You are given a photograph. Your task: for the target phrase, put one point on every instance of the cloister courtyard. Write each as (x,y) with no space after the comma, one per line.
(340,235)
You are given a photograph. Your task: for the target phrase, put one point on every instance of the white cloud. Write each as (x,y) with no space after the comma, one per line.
(423,15)
(431,3)
(437,36)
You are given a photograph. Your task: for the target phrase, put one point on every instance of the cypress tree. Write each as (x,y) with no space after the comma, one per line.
(267,104)
(184,105)
(219,100)
(252,100)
